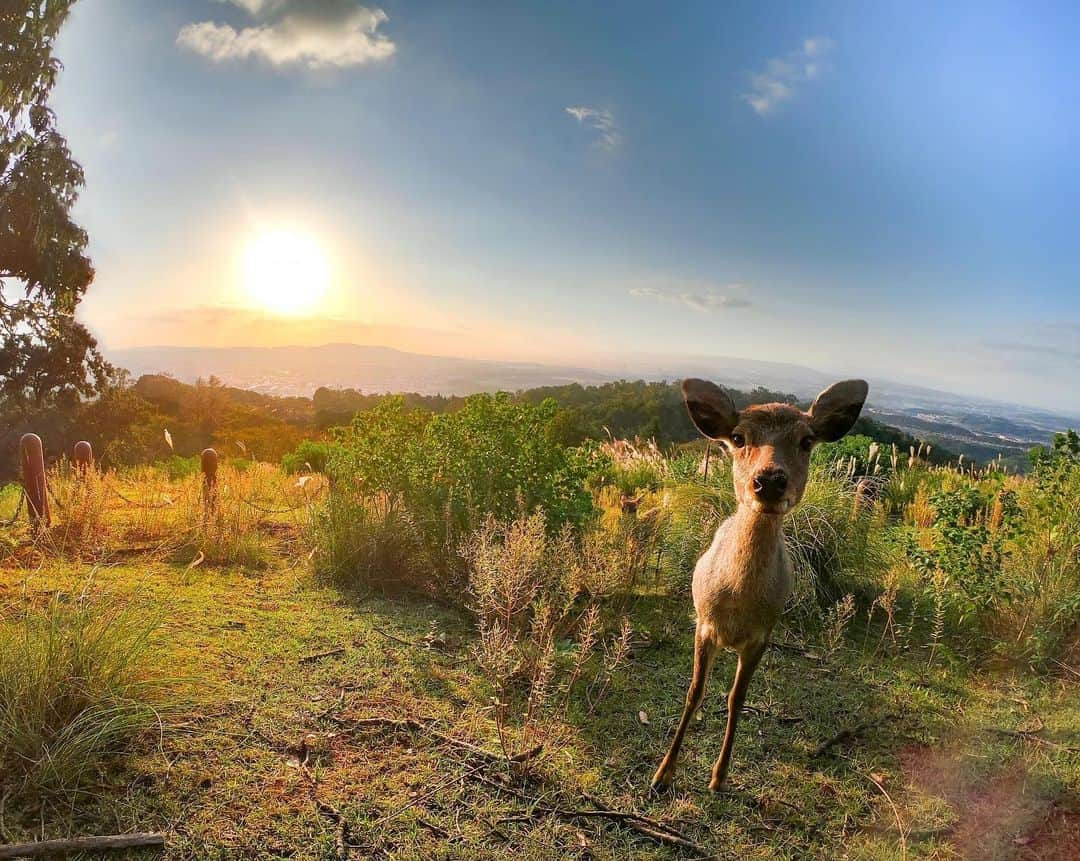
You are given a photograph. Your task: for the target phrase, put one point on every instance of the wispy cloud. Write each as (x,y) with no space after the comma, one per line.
(783,77)
(707,299)
(600,120)
(312,33)
(1052,352)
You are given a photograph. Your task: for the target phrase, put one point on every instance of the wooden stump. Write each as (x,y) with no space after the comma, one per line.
(82,456)
(32,454)
(209,459)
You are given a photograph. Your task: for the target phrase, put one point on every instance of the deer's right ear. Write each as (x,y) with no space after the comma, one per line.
(711,410)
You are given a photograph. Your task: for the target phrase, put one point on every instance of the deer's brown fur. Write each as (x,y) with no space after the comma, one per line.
(743,580)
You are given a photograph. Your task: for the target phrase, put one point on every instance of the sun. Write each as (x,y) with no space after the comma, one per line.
(285,271)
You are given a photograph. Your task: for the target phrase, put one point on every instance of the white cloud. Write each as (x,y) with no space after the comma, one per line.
(602,121)
(706,299)
(783,76)
(312,33)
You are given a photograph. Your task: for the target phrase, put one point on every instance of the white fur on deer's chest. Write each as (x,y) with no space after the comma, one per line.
(740,587)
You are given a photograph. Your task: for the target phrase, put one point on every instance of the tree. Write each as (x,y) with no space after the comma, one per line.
(47,358)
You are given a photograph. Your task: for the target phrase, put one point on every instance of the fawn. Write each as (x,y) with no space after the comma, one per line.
(743,580)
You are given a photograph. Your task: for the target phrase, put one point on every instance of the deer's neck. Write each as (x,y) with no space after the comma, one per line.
(755,541)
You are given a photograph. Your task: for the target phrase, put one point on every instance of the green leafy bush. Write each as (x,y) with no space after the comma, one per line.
(970,546)
(311,455)
(177,467)
(493,457)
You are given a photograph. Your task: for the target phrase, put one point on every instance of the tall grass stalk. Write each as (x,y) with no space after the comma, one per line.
(79,683)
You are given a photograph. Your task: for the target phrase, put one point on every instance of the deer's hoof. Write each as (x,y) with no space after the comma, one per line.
(717,786)
(662,782)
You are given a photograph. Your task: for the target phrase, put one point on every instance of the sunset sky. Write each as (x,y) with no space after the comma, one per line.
(885,189)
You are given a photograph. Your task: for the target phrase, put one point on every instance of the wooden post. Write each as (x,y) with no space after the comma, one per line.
(83,457)
(209,470)
(33,476)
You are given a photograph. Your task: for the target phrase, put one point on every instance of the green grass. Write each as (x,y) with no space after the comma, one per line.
(224,781)
(77,686)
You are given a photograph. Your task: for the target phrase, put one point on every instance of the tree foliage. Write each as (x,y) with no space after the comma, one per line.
(47,358)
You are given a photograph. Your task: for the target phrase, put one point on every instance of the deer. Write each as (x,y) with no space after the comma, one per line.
(743,580)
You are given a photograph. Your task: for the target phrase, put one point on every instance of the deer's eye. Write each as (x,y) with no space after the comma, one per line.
(738,440)
(806,443)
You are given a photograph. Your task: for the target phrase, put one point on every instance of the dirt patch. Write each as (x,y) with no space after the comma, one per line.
(1057,839)
(1001,816)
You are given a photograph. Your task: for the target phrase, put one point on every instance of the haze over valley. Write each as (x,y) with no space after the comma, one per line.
(977,427)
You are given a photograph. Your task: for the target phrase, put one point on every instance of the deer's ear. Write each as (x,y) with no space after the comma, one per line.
(836,409)
(710,408)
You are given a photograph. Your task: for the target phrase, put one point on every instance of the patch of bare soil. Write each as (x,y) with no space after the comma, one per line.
(1001,816)
(1058,837)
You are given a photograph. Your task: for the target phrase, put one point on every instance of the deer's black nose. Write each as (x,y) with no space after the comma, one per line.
(770,485)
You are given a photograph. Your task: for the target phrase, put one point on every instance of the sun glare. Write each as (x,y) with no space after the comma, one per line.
(285,272)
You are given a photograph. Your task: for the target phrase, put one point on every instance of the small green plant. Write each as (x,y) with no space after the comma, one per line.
(970,547)
(836,621)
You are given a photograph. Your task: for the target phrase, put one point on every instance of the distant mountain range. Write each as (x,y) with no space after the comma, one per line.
(977,427)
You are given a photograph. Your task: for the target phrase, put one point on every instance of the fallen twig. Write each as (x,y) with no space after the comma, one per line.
(341,847)
(397,639)
(430,643)
(68,846)
(643,825)
(788,647)
(414,725)
(1032,735)
(847,734)
(420,799)
(1066,667)
(329,653)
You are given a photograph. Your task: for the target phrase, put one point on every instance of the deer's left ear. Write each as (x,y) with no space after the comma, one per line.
(836,409)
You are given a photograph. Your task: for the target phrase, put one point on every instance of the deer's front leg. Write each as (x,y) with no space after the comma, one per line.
(704,653)
(748,661)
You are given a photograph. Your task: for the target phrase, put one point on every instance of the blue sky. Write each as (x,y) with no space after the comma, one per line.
(871,189)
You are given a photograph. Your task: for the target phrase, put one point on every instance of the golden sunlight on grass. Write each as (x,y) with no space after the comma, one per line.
(285,271)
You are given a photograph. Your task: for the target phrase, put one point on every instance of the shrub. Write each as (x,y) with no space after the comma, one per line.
(493,457)
(311,455)
(837,540)
(369,541)
(177,467)
(79,507)
(523,588)
(78,685)
(969,547)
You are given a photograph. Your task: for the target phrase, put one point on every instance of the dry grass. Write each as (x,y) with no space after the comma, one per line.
(100,516)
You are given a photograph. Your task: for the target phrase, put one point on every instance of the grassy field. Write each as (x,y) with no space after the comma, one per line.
(939,763)
(257,711)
